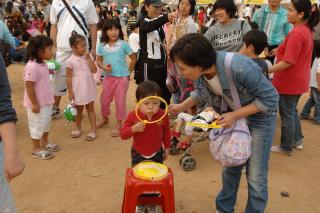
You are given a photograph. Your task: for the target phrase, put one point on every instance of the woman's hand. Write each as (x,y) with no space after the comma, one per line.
(273,52)
(13,165)
(175,109)
(227,120)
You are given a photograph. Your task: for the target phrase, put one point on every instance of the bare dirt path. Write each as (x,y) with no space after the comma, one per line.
(89,176)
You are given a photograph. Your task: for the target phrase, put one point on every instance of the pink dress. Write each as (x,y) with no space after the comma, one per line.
(83,84)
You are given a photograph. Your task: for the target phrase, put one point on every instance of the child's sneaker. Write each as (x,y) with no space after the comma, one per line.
(56,113)
(154,209)
(140,209)
(184,145)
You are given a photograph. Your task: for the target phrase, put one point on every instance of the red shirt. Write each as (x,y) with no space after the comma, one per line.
(296,49)
(152,138)
(201,17)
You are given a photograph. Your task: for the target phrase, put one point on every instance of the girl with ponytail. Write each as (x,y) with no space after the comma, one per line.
(292,72)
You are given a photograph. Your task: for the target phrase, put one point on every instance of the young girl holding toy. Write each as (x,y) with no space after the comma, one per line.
(81,85)
(111,57)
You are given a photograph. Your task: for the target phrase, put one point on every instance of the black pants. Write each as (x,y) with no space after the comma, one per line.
(136,157)
(153,70)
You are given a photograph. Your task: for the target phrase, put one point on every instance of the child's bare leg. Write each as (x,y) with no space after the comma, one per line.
(44,139)
(36,147)
(178,125)
(91,115)
(79,117)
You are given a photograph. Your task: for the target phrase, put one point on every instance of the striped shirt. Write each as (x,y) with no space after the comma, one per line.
(274,24)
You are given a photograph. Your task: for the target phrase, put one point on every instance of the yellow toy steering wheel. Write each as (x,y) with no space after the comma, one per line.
(156,121)
(213,125)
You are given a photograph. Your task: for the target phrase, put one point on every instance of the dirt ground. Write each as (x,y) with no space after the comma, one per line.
(89,176)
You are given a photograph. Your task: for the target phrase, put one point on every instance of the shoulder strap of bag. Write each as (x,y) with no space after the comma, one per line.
(74,17)
(233,89)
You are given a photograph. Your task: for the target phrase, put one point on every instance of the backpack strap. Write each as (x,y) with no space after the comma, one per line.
(75,17)
(232,86)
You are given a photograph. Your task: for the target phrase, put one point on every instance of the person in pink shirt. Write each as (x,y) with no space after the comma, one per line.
(292,72)
(38,96)
(81,85)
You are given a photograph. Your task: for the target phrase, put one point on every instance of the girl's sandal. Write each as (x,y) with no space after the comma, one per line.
(115,132)
(91,136)
(42,155)
(76,133)
(52,147)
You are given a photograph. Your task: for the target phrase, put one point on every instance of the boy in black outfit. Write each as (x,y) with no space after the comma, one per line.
(255,41)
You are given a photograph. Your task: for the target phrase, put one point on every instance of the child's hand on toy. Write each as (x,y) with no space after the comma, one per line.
(108,68)
(71,96)
(138,127)
(35,108)
(227,119)
(166,154)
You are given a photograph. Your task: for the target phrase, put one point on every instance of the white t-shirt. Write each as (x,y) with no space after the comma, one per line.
(215,85)
(134,42)
(247,12)
(59,15)
(314,71)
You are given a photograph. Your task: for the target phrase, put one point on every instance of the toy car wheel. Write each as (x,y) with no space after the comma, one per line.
(183,156)
(188,163)
(174,150)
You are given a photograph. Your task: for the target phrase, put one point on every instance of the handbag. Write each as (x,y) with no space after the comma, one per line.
(231,146)
(86,33)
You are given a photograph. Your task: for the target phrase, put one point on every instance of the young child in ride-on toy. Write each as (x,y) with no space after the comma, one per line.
(204,118)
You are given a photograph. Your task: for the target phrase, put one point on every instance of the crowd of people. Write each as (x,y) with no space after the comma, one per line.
(179,53)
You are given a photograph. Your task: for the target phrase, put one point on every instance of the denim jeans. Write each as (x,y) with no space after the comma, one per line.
(6,200)
(262,129)
(291,133)
(313,101)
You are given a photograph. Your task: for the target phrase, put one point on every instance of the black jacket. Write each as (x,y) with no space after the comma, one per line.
(152,38)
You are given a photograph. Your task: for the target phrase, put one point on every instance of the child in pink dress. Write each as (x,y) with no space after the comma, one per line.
(81,85)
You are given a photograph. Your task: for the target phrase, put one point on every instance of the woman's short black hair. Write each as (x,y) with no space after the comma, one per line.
(192,4)
(194,50)
(256,38)
(108,25)
(227,5)
(147,88)
(305,6)
(75,39)
(36,45)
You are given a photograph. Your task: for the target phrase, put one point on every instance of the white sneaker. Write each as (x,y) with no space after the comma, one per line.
(56,113)
(276,149)
(140,209)
(298,147)
(154,209)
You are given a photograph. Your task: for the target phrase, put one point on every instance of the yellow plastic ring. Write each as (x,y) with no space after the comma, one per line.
(156,121)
